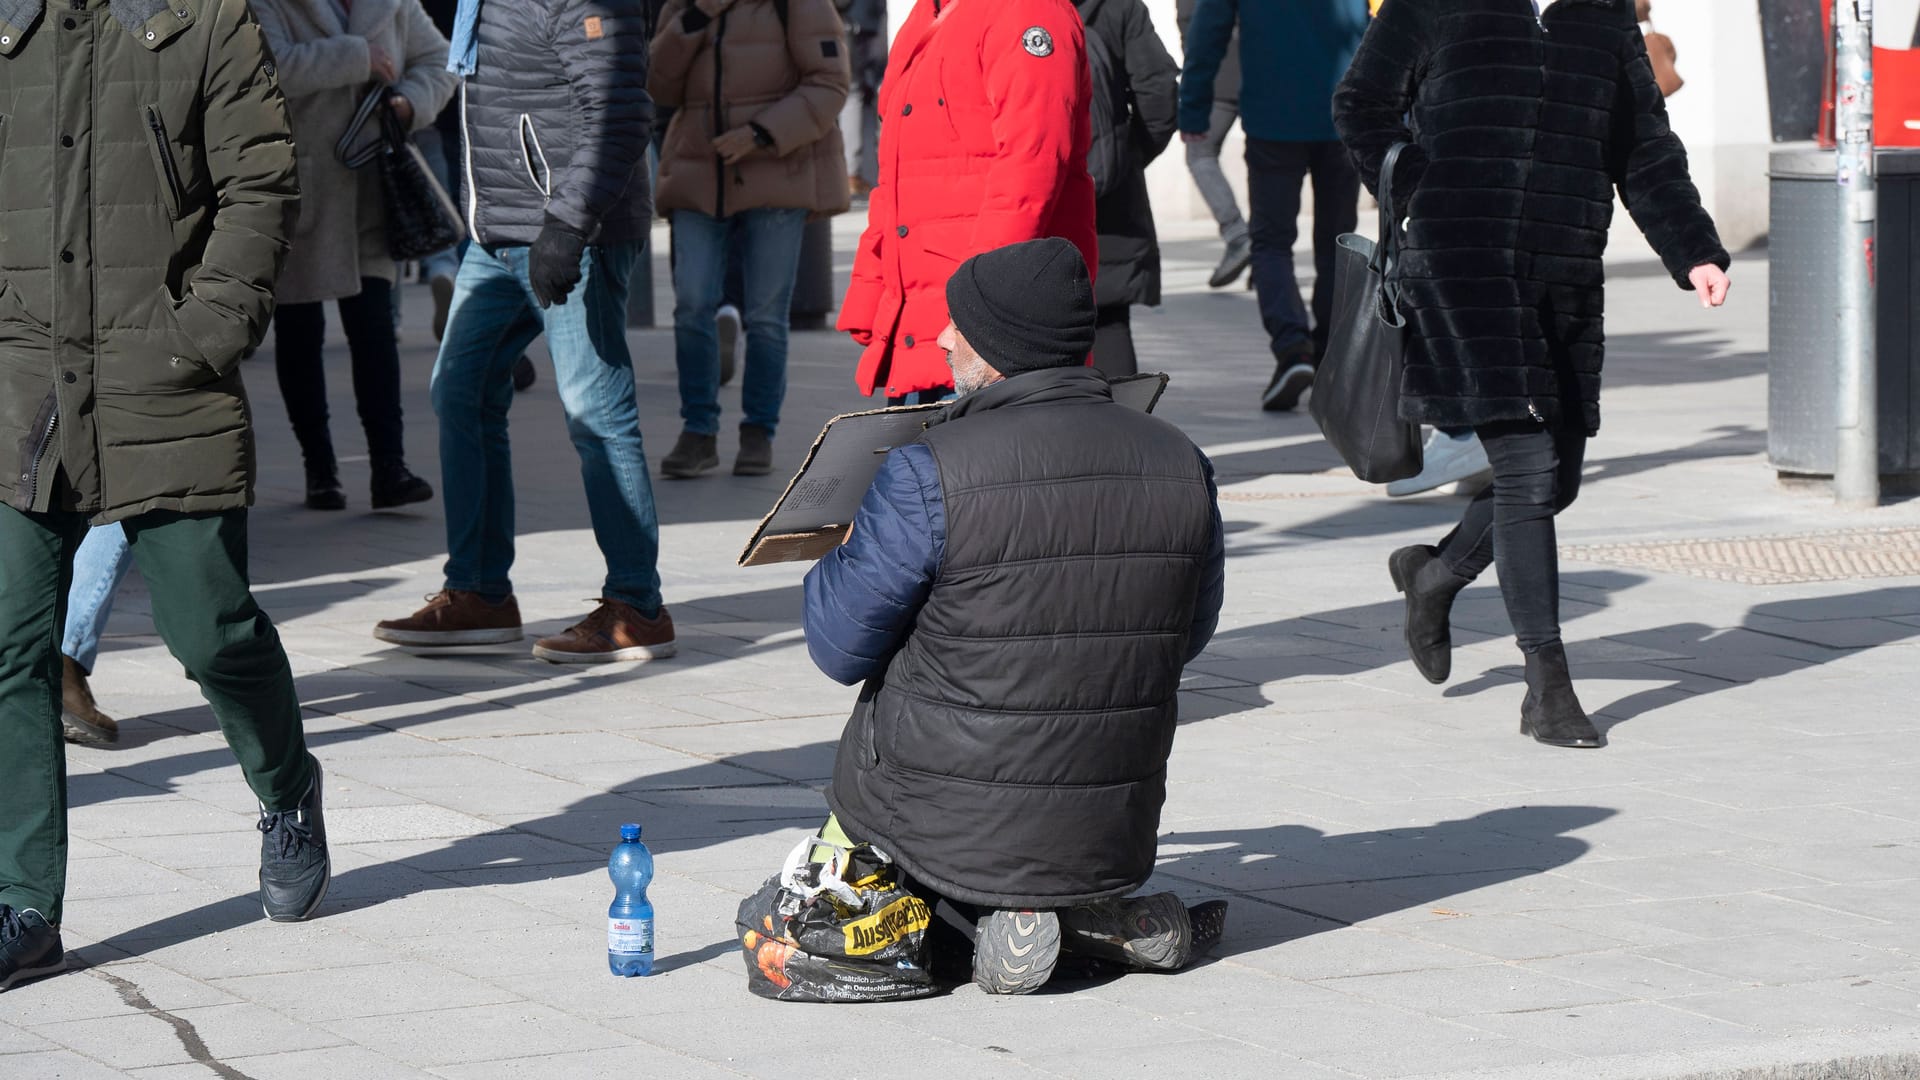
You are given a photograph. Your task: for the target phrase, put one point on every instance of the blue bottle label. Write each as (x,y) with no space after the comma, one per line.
(630,937)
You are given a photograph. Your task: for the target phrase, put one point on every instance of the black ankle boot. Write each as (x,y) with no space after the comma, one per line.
(323,487)
(1551,713)
(395,485)
(1430,588)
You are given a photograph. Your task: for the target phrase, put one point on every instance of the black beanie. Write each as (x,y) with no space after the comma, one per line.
(1025,306)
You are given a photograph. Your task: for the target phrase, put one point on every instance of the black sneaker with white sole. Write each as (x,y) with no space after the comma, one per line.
(1292,377)
(294,866)
(29,947)
(1014,951)
(1149,933)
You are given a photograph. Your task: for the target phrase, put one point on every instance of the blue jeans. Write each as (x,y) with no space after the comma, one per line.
(98,567)
(770,257)
(493,320)
(1275,172)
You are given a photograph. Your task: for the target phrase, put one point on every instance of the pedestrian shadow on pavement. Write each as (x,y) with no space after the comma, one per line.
(1694,659)
(1286,882)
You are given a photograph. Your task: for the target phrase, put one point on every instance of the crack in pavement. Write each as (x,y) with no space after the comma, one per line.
(183,1029)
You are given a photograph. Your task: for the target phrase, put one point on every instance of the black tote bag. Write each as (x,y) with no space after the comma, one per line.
(1356,392)
(421,219)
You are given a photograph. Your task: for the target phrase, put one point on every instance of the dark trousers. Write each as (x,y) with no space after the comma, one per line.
(1536,474)
(1275,173)
(1113,341)
(299,335)
(203,607)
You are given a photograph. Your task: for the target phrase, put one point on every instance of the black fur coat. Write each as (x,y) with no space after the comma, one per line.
(1522,129)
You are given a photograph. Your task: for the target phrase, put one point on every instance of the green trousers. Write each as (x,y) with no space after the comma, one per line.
(195,566)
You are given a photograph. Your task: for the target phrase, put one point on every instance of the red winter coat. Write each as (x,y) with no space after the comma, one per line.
(987,123)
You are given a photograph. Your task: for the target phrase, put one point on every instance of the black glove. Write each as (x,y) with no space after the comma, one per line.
(553,263)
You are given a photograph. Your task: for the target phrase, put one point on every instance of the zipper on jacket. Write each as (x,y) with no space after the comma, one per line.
(32,476)
(1534,412)
(168,169)
(719,121)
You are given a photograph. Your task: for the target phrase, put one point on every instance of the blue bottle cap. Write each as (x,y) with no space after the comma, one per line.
(629,833)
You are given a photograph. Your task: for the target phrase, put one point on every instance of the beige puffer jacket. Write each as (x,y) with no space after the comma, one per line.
(790,80)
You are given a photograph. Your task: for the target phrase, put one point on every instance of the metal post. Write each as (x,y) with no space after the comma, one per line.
(1856,471)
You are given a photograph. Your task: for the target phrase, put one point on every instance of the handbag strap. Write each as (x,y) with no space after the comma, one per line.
(374,102)
(1391,234)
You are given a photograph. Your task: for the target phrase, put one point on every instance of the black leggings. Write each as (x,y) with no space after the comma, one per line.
(299,334)
(1536,474)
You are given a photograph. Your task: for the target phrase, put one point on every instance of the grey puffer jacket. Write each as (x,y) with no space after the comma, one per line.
(557,120)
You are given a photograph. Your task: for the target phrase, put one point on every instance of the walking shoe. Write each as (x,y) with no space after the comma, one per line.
(1209,921)
(1448,460)
(728,324)
(1233,263)
(294,866)
(1551,713)
(29,947)
(81,721)
(1430,588)
(1292,377)
(455,617)
(756,451)
(691,456)
(442,286)
(1014,951)
(613,632)
(523,374)
(395,485)
(1152,933)
(323,488)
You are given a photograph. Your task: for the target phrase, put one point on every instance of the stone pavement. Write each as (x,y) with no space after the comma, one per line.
(1416,890)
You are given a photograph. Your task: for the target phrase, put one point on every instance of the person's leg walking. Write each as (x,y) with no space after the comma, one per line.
(98,568)
(1113,351)
(1275,174)
(368,320)
(299,342)
(1336,210)
(36,554)
(1203,164)
(593,369)
(700,247)
(770,258)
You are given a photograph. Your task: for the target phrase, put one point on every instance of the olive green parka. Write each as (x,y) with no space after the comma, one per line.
(147,190)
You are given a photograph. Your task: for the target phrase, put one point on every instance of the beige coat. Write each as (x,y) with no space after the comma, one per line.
(791,82)
(323,64)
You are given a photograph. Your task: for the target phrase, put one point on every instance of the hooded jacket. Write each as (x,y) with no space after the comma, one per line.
(130,292)
(1021,592)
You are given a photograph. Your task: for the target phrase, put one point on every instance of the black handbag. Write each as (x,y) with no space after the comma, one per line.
(421,219)
(1356,392)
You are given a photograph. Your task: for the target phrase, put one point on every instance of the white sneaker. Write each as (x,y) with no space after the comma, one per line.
(728,324)
(1461,462)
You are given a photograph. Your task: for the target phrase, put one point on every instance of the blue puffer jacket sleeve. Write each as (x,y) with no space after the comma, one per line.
(1213,585)
(863,597)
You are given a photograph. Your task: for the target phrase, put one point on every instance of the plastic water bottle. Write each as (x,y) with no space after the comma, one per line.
(630,916)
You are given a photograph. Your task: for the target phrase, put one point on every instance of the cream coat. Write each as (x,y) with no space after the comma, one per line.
(323,65)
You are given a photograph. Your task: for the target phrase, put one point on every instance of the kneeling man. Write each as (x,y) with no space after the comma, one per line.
(1020,592)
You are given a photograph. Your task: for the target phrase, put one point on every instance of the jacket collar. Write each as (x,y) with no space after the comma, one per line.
(153,23)
(1050,386)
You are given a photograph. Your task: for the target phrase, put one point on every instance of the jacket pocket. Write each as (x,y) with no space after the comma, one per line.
(866,751)
(13,312)
(171,189)
(539,173)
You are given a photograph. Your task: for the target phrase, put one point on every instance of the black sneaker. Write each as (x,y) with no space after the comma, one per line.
(396,485)
(323,488)
(1292,377)
(1014,951)
(294,867)
(1150,933)
(29,948)
(692,456)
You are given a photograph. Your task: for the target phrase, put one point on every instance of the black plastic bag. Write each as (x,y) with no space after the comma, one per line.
(840,931)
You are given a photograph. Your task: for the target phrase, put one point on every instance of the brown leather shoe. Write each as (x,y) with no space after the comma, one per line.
(455,617)
(615,631)
(80,720)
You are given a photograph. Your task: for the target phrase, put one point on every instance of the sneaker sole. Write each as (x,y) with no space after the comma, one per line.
(27,975)
(1170,949)
(688,472)
(409,500)
(752,470)
(1401,489)
(1284,396)
(637,652)
(1015,952)
(318,899)
(438,639)
(78,731)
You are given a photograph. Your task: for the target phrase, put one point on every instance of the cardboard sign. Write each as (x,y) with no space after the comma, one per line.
(817,508)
